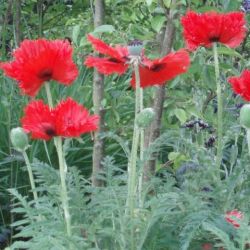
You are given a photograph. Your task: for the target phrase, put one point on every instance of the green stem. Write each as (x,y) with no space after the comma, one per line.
(31,177)
(49,96)
(219,108)
(141,149)
(133,157)
(64,193)
(248,140)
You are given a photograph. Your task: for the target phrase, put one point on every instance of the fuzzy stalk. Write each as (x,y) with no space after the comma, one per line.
(31,176)
(141,146)
(132,173)
(248,140)
(64,192)
(98,96)
(219,108)
(48,93)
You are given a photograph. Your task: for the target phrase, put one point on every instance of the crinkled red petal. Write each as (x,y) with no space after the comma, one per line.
(105,65)
(103,48)
(37,61)
(39,120)
(161,70)
(73,119)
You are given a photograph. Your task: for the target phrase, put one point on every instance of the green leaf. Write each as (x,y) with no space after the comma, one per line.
(106,28)
(149,2)
(229,52)
(167,3)
(75,33)
(181,115)
(157,22)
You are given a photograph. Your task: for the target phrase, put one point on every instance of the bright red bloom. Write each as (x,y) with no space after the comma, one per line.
(67,119)
(72,119)
(39,120)
(37,61)
(155,72)
(241,84)
(232,215)
(115,62)
(207,28)
(158,71)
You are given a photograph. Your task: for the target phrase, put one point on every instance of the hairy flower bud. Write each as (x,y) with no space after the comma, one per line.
(245,116)
(19,139)
(145,118)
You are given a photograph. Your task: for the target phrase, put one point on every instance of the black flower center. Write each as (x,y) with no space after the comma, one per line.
(114,60)
(157,67)
(214,39)
(45,74)
(50,132)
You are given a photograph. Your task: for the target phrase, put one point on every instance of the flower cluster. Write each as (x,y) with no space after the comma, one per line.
(35,63)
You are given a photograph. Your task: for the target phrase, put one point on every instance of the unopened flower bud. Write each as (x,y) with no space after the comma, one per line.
(145,118)
(135,47)
(245,116)
(19,139)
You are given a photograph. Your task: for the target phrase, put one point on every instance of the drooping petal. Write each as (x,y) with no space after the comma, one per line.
(204,29)
(37,61)
(106,66)
(157,72)
(241,84)
(73,119)
(103,48)
(39,120)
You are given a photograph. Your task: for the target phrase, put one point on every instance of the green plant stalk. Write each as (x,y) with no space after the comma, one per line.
(49,96)
(31,177)
(141,147)
(131,198)
(219,108)
(248,140)
(64,193)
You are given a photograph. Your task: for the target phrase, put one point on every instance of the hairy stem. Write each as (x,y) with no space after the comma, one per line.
(64,193)
(219,108)
(48,93)
(248,140)
(31,177)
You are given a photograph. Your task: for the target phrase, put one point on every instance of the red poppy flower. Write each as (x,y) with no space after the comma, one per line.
(207,28)
(37,61)
(39,120)
(67,119)
(158,71)
(151,72)
(232,215)
(241,84)
(115,62)
(72,119)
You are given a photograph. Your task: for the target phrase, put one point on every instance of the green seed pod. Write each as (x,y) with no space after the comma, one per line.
(245,116)
(135,48)
(145,118)
(19,139)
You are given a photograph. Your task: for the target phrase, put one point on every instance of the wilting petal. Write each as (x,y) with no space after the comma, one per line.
(106,66)
(157,72)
